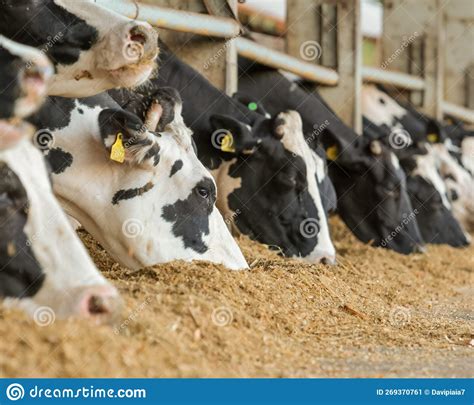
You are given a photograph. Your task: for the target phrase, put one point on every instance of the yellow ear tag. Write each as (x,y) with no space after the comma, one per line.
(332,152)
(227,144)
(432,138)
(117,153)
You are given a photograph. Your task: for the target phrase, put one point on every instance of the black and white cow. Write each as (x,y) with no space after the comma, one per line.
(370,186)
(265,172)
(401,128)
(93,49)
(143,195)
(44,267)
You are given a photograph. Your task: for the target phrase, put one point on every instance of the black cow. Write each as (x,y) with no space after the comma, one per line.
(371,187)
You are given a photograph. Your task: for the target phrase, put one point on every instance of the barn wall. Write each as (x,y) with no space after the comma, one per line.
(335,28)
(214,57)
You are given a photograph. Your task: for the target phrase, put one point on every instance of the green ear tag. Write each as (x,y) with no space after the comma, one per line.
(227,144)
(252,106)
(117,153)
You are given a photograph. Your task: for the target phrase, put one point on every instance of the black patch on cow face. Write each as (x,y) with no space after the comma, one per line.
(80,111)
(45,25)
(9,82)
(190,217)
(20,273)
(177,166)
(55,114)
(59,160)
(131,193)
(437,223)
(274,199)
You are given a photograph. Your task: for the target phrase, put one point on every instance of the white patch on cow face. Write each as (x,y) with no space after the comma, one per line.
(380,108)
(34,87)
(467,150)
(427,167)
(293,140)
(117,60)
(134,230)
(69,271)
(458,180)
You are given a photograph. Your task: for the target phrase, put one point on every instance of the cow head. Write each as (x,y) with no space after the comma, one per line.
(24,74)
(143,195)
(372,193)
(93,49)
(44,268)
(268,181)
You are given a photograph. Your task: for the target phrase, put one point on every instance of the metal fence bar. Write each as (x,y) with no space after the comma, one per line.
(397,79)
(280,60)
(457,111)
(183,21)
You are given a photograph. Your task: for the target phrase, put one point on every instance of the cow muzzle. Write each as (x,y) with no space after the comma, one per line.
(130,46)
(100,303)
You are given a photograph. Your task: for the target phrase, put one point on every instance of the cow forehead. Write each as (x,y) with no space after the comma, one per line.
(378,113)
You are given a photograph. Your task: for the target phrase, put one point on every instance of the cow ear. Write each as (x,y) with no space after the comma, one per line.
(231,136)
(251,103)
(126,138)
(435,132)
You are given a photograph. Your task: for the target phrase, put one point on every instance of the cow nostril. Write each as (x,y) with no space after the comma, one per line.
(137,35)
(98,305)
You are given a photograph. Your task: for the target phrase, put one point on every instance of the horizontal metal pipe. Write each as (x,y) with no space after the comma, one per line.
(280,60)
(397,79)
(177,20)
(459,112)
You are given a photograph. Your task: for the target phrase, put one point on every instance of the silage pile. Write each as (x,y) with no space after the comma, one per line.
(375,314)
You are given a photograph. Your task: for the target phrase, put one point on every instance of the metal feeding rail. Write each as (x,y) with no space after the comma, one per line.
(203,24)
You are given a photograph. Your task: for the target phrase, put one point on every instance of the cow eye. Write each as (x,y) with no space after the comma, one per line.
(203,192)
(381,100)
(4,200)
